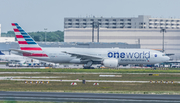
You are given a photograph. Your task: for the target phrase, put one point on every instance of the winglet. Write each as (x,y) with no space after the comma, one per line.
(1,53)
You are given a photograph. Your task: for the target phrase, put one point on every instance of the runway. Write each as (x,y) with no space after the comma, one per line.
(87,97)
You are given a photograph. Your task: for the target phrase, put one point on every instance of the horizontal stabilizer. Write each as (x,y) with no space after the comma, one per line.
(21,51)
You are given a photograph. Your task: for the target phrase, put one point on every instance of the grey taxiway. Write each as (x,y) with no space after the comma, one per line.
(87,97)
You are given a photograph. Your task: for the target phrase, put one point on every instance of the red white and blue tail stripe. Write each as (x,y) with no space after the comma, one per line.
(27,43)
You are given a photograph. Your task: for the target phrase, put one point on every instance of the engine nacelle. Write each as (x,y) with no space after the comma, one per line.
(111,63)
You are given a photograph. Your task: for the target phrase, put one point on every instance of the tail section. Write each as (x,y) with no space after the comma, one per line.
(26,43)
(24,39)
(1,53)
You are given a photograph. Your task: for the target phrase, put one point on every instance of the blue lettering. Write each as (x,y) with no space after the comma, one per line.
(140,55)
(136,55)
(110,54)
(116,54)
(147,54)
(122,55)
(129,55)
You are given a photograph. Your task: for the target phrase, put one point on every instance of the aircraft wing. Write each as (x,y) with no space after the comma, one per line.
(84,56)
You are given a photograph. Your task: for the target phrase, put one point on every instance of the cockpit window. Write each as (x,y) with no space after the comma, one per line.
(155,55)
(163,54)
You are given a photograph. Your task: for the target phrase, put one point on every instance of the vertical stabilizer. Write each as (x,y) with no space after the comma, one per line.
(24,39)
(26,42)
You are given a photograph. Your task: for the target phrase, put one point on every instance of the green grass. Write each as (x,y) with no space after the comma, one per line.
(3,62)
(88,87)
(131,70)
(133,88)
(7,85)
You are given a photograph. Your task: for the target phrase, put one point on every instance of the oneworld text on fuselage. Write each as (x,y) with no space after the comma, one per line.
(129,54)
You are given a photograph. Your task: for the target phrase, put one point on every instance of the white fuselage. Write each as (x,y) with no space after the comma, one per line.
(15,58)
(124,56)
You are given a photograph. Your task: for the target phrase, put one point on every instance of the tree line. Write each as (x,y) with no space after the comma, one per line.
(55,36)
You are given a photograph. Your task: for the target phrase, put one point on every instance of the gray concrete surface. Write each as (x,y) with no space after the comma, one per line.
(87,97)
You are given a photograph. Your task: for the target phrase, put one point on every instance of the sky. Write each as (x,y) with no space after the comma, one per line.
(35,15)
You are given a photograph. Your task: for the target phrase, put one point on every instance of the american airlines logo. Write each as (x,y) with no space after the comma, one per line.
(129,55)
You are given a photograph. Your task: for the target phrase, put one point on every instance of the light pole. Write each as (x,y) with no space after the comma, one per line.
(93,32)
(163,30)
(95,25)
(45,33)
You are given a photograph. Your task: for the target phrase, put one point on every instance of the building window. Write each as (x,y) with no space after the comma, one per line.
(69,23)
(84,23)
(129,27)
(84,19)
(121,19)
(177,20)
(129,23)
(77,23)
(121,23)
(77,19)
(107,20)
(161,20)
(161,24)
(114,23)
(172,20)
(129,19)
(99,23)
(91,20)
(166,27)
(150,19)
(150,23)
(113,27)
(114,19)
(155,20)
(150,27)
(106,23)
(166,24)
(167,20)
(99,19)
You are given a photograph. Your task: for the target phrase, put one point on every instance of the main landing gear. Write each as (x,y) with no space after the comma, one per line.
(88,65)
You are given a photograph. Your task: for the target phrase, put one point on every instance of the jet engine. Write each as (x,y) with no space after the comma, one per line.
(111,63)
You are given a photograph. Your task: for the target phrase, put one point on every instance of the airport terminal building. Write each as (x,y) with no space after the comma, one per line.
(143,30)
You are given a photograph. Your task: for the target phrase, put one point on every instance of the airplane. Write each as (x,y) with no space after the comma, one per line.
(109,57)
(12,58)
